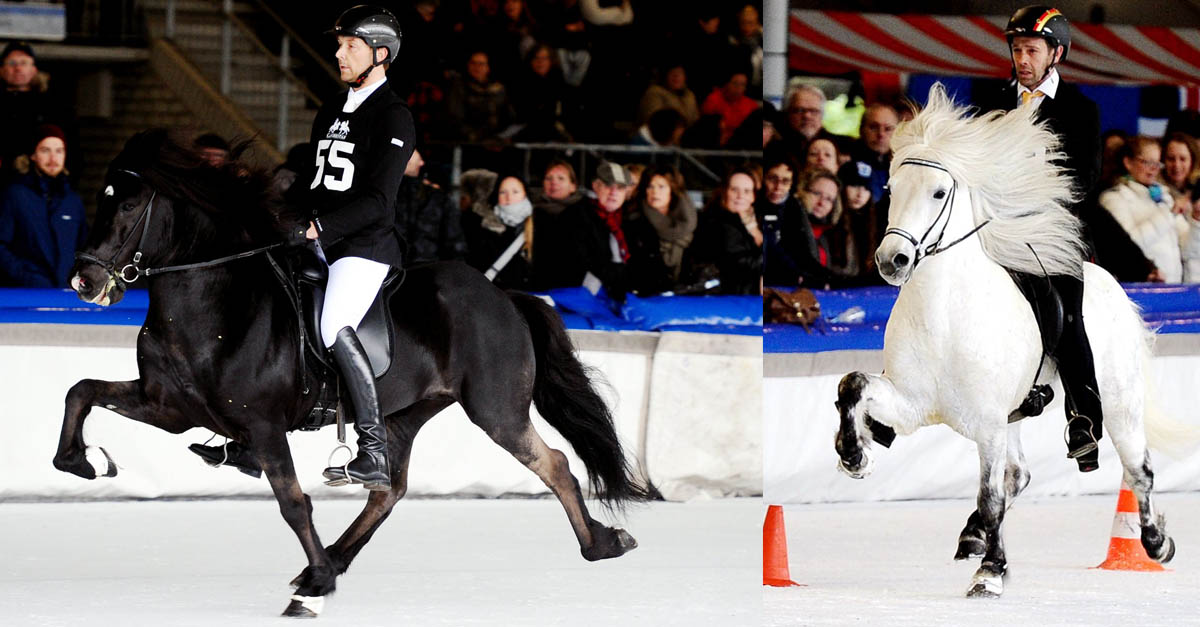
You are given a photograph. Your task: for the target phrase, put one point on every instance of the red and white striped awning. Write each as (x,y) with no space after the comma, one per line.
(835,42)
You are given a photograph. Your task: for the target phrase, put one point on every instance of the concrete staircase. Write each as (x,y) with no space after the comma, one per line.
(255,75)
(179,86)
(140,101)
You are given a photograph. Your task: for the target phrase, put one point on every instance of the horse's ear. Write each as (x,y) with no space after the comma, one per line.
(938,98)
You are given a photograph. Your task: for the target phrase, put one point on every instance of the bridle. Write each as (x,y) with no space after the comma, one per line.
(934,247)
(134,264)
(111,264)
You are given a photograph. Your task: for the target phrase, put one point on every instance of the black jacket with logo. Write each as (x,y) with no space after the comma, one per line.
(351,184)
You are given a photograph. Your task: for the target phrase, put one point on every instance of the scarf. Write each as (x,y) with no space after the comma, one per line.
(675,229)
(514,214)
(612,219)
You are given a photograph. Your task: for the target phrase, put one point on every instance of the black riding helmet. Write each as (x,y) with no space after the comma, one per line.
(1041,21)
(374,25)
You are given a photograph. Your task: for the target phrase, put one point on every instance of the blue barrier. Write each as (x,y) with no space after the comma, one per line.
(738,315)
(1166,308)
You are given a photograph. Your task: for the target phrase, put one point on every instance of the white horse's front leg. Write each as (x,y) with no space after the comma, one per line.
(972,541)
(868,405)
(989,579)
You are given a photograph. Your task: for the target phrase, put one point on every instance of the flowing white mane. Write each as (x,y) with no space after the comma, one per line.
(1010,164)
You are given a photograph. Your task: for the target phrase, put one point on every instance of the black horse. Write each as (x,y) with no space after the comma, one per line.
(219,350)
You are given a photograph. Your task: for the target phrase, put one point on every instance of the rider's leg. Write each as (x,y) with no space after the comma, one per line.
(354,283)
(1078,374)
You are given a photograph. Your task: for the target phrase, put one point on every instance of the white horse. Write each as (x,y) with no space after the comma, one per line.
(972,196)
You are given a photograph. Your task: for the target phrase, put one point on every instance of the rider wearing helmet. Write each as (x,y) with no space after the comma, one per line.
(363,140)
(1039,38)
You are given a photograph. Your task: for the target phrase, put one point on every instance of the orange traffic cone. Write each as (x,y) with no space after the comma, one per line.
(1125,551)
(775,559)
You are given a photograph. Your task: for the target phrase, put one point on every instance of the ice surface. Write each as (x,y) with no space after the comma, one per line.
(891,564)
(434,562)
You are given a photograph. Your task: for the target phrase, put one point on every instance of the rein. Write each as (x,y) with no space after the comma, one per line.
(138,271)
(947,209)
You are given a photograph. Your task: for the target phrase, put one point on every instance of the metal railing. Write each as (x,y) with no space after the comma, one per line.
(693,158)
(282,60)
(687,160)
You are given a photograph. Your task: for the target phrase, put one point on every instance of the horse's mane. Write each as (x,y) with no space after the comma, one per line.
(1012,167)
(237,196)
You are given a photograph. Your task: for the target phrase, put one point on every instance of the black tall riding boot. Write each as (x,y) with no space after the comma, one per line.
(1077,371)
(370,467)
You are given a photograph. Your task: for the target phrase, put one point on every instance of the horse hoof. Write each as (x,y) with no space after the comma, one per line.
(76,464)
(969,547)
(985,586)
(103,463)
(628,543)
(607,543)
(861,470)
(304,607)
(1169,552)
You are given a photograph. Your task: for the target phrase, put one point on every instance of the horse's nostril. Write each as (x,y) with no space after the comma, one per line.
(901,260)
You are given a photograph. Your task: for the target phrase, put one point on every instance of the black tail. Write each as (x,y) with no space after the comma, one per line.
(565,397)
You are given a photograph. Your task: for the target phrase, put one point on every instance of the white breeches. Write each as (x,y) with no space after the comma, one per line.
(353,284)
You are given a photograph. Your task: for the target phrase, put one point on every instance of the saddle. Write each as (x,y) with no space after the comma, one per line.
(303,276)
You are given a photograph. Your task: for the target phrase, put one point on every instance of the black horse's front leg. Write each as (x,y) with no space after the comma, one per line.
(319,578)
(122,397)
(989,579)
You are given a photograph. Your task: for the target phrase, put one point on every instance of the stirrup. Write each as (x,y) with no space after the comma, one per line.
(1086,448)
(345,479)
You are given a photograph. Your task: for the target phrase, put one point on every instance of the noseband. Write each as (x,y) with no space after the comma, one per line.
(138,271)
(934,247)
(111,264)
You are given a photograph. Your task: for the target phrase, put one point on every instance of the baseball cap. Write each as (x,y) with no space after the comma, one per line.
(855,173)
(17,46)
(611,173)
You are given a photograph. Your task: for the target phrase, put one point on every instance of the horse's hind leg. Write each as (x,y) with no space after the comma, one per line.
(972,542)
(513,431)
(122,397)
(1139,476)
(402,429)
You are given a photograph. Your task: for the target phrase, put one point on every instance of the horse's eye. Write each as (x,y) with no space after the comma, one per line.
(939,194)
(126,207)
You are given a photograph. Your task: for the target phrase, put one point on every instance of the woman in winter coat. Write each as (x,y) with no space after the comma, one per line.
(729,237)
(1144,208)
(499,229)
(661,201)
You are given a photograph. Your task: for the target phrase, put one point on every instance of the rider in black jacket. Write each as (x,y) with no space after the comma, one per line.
(1039,38)
(363,140)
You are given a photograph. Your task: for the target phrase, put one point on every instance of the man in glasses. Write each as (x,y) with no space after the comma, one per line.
(804,111)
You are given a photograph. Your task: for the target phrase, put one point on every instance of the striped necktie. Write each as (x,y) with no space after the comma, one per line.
(1026,96)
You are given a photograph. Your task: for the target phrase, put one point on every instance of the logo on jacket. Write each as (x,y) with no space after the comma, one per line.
(339,130)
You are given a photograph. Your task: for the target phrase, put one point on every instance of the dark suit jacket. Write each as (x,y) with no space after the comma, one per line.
(1076,121)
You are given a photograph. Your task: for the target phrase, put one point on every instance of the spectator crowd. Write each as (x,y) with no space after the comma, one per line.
(483,74)
(824,210)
